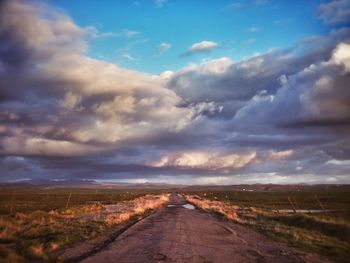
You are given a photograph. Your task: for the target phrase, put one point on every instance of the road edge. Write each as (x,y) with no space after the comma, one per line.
(88,248)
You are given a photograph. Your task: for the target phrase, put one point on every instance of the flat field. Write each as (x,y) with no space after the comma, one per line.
(30,199)
(312,218)
(37,221)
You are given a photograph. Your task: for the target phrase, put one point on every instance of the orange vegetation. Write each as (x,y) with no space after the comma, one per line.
(227,210)
(136,207)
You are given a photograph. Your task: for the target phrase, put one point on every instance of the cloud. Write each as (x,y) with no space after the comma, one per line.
(236,5)
(339,162)
(42,146)
(160,3)
(254,29)
(239,82)
(130,57)
(249,41)
(206,160)
(204,46)
(274,117)
(94,33)
(242,5)
(280,155)
(163,47)
(315,96)
(335,11)
(129,33)
(85,95)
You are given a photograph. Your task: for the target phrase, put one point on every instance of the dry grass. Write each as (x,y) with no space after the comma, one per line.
(35,236)
(325,235)
(138,206)
(225,209)
(85,209)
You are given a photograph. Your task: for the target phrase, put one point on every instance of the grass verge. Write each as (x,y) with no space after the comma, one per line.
(35,236)
(327,236)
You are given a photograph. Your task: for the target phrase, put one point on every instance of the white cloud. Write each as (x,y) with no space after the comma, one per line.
(166,75)
(254,29)
(280,155)
(110,103)
(70,101)
(45,147)
(212,67)
(129,57)
(341,56)
(94,33)
(207,160)
(128,33)
(250,41)
(163,47)
(339,162)
(318,95)
(203,46)
(160,3)
(235,5)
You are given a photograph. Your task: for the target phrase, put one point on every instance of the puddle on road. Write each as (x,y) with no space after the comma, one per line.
(188,206)
(304,211)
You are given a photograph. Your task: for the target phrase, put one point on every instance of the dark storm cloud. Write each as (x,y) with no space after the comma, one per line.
(64,114)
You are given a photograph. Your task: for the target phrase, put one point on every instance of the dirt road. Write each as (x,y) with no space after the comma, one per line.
(179,234)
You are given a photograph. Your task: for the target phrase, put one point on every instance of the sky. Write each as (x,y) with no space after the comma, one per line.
(155,36)
(175,91)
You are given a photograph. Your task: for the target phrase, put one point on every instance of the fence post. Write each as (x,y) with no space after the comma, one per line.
(291,204)
(320,204)
(12,200)
(70,195)
(295,203)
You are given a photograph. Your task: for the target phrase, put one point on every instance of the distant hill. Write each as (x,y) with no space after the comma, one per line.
(266,187)
(76,183)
